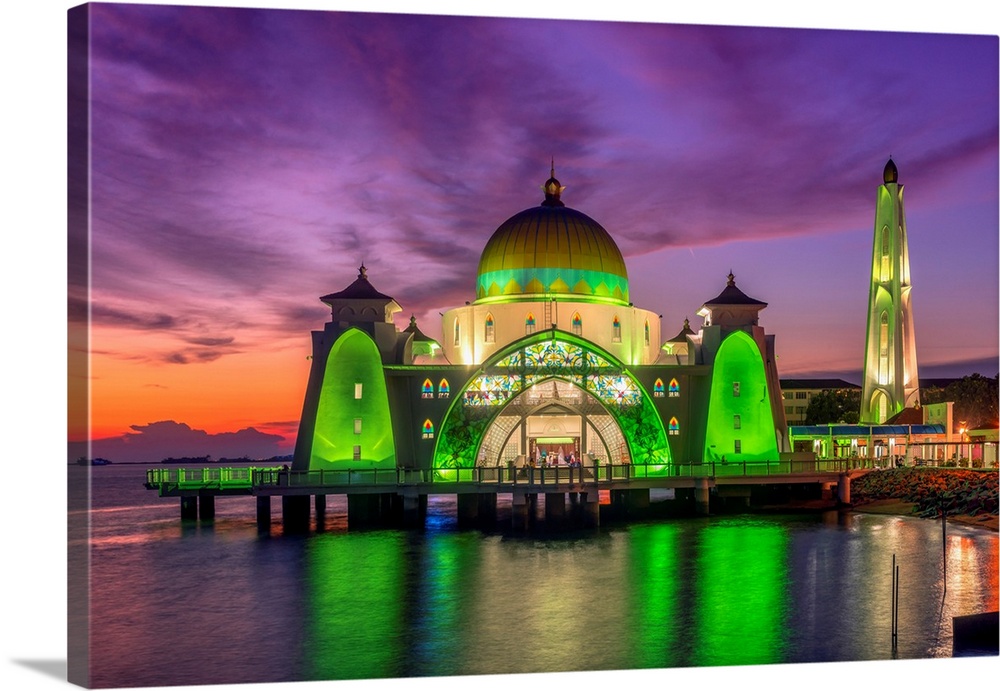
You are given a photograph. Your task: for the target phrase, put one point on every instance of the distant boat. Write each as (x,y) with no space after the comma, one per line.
(93,461)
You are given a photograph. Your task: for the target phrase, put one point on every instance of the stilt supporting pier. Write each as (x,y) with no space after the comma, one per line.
(414,509)
(320,512)
(844,489)
(590,509)
(468,509)
(701,496)
(189,508)
(520,506)
(263,514)
(487,509)
(629,503)
(295,513)
(555,508)
(206,507)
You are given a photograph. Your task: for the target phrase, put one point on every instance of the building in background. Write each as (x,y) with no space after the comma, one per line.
(798,393)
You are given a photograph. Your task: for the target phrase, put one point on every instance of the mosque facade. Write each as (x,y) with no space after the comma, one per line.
(551,364)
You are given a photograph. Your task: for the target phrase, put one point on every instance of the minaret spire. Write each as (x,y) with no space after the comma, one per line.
(890,382)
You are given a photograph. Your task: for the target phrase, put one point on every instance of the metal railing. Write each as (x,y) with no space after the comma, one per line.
(251,478)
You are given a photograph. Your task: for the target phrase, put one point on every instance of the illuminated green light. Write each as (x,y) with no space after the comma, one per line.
(741,581)
(739,387)
(506,283)
(354,359)
(537,359)
(354,613)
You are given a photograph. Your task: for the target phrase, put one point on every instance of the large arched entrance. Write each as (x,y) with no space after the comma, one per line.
(546,391)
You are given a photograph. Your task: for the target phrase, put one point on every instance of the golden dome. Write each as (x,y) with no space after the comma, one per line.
(551,251)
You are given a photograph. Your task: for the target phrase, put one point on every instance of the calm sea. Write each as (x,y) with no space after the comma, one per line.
(176,604)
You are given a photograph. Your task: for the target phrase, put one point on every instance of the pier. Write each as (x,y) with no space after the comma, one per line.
(398,496)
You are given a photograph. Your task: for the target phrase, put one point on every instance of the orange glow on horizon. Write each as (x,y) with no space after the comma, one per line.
(255,388)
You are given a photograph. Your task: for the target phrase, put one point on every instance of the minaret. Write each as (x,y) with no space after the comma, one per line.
(890,380)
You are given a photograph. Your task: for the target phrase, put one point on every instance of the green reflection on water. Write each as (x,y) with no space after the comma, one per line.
(653,565)
(741,580)
(354,598)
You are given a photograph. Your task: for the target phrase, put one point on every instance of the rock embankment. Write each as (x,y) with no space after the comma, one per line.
(956,491)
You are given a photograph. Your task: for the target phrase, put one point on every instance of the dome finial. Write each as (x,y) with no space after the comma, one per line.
(362,271)
(890,174)
(552,188)
(731,280)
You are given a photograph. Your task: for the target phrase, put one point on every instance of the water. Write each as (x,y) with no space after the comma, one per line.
(177,603)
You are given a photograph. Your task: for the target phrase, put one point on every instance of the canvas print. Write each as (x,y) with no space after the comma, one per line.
(410,345)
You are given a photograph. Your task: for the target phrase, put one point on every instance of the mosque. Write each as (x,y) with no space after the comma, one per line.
(551,364)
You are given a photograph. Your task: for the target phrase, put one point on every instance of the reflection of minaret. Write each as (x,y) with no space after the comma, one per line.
(890,380)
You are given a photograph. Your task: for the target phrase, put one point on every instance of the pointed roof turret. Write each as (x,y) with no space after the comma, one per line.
(418,335)
(361,289)
(685,332)
(360,302)
(731,295)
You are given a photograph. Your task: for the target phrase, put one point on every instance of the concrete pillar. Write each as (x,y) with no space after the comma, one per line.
(206,507)
(844,489)
(414,509)
(487,508)
(555,506)
(519,508)
(189,508)
(590,509)
(320,512)
(468,509)
(295,513)
(263,514)
(362,510)
(701,495)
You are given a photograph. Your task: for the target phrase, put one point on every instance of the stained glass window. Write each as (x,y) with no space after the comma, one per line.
(428,429)
(674,428)
(444,391)
(674,389)
(616,330)
(489,334)
(428,389)
(529,324)
(658,388)
(577,324)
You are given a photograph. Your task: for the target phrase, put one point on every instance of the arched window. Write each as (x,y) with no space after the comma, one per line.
(616,330)
(529,324)
(645,330)
(428,432)
(428,389)
(489,333)
(577,324)
(674,428)
(658,388)
(674,389)
(458,334)
(883,349)
(443,390)
(884,273)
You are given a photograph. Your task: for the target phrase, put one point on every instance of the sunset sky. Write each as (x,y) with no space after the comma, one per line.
(245,162)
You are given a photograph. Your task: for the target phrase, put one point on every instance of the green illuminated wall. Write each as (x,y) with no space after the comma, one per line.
(533,360)
(739,361)
(354,359)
